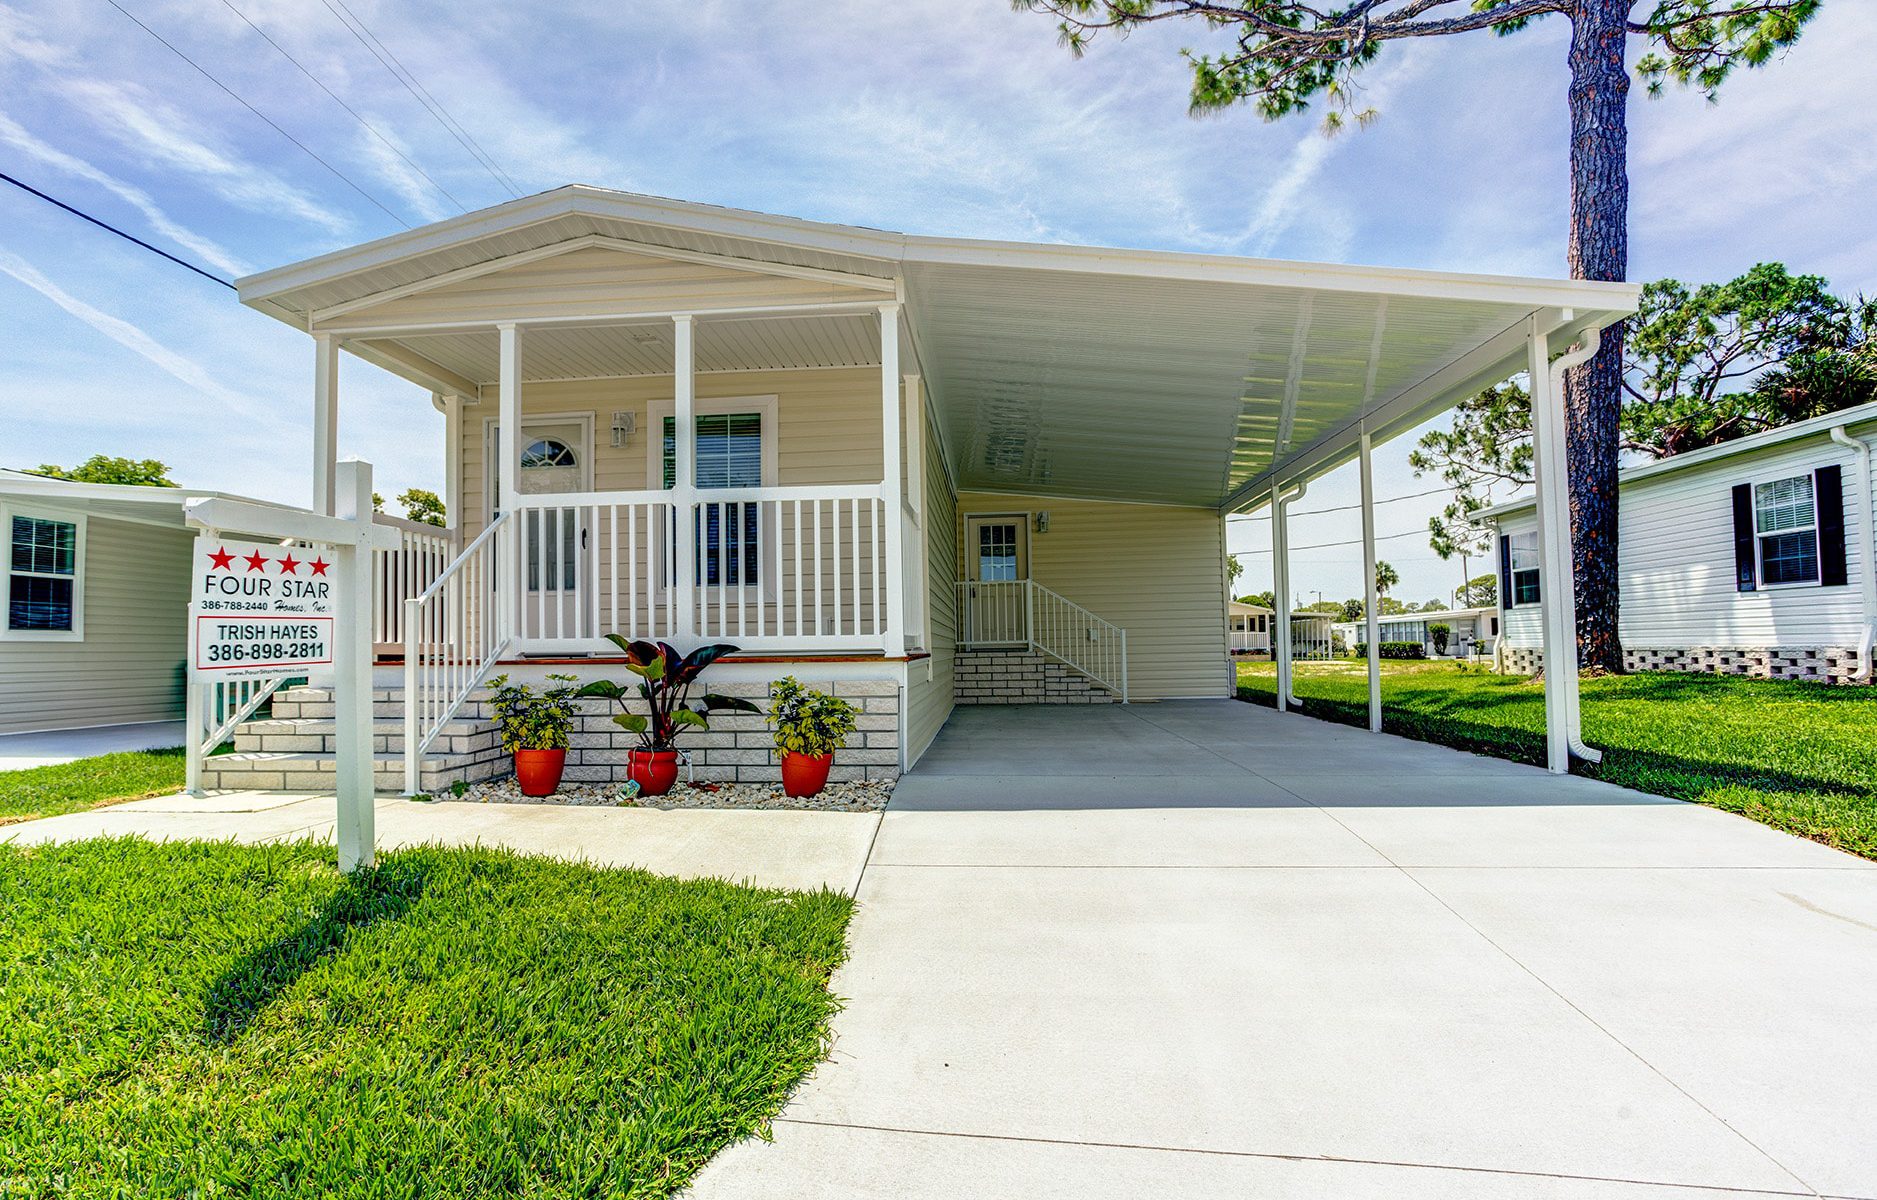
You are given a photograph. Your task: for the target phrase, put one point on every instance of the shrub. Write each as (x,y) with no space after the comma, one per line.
(1394,650)
(530,720)
(806,721)
(1439,634)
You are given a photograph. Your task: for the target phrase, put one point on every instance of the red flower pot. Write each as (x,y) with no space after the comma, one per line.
(655,771)
(538,771)
(805,774)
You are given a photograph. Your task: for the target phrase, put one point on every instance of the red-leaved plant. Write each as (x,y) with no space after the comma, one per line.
(665,685)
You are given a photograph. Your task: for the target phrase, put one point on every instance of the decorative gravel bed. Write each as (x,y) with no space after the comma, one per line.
(836,797)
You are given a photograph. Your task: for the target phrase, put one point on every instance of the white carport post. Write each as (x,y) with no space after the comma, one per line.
(1280,593)
(1557,599)
(893,638)
(508,458)
(684,474)
(1371,619)
(325,419)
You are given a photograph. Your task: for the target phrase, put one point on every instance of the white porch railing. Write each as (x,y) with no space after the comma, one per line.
(1022,612)
(423,552)
(453,633)
(784,568)
(1250,639)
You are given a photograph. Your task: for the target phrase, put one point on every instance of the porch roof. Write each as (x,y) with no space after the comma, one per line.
(1053,370)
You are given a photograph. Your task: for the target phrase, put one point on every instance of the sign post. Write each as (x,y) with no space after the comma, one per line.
(273,611)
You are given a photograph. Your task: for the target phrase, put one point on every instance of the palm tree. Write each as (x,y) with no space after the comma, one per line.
(1385,578)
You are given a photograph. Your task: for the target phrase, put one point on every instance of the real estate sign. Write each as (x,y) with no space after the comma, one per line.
(260,611)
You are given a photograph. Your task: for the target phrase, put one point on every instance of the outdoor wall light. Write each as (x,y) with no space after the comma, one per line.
(1042,522)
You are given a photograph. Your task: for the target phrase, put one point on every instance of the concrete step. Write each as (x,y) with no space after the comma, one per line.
(299,734)
(317,771)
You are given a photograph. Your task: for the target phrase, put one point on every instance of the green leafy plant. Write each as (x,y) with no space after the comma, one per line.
(1440,635)
(1393,650)
(665,685)
(806,721)
(531,720)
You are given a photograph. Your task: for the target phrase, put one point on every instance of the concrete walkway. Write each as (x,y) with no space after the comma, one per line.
(1201,949)
(768,848)
(19,751)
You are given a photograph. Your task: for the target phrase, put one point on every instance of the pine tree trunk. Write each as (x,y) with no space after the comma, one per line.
(1599,249)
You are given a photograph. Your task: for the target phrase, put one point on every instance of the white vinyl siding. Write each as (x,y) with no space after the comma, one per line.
(1155,570)
(1676,560)
(930,682)
(129,666)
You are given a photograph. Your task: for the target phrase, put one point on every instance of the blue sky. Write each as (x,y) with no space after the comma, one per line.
(934,116)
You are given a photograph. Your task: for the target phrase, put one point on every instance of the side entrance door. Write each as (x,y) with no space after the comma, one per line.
(997,572)
(555,460)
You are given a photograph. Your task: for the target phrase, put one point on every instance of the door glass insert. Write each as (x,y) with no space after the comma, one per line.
(997,551)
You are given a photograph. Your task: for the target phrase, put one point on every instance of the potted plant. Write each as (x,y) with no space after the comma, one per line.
(810,726)
(665,679)
(535,728)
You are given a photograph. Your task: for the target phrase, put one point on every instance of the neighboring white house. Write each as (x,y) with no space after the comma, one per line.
(1248,626)
(1470,630)
(97,581)
(1752,557)
(920,470)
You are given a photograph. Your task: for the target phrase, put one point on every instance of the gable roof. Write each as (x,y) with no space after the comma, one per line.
(1055,370)
(122,501)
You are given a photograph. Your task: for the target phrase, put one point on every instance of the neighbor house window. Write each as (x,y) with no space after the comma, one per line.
(1524,554)
(42,576)
(729,455)
(1785,524)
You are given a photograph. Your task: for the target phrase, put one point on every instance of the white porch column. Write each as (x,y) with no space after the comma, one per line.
(1280,596)
(1372,619)
(919,581)
(453,459)
(1557,596)
(684,475)
(352,675)
(893,637)
(508,468)
(325,419)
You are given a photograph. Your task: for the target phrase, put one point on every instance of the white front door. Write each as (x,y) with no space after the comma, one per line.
(996,570)
(554,461)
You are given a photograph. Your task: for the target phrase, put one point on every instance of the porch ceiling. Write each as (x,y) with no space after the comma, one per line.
(1053,370)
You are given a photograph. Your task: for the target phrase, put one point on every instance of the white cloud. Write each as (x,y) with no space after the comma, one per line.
(132,338)
(14,133)
(417,191)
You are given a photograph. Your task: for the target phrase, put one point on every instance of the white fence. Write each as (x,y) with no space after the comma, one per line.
(423,553)
(453,633)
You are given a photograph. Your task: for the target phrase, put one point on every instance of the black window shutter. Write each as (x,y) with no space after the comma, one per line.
(1743,537)
(1828,491)
(1505,572)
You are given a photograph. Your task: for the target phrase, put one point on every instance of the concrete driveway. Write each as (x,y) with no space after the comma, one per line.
(20,751)
(1202,949)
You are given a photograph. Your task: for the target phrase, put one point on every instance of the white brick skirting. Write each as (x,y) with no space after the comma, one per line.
(1022,677)
(1833,664)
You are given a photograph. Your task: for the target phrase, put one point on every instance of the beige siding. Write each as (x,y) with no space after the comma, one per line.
(930,684)
(1157,571)
(130,665)
(827,426)
(596,281)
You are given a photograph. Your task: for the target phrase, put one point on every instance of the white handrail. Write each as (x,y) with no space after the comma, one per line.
(1022,612)
(454,632)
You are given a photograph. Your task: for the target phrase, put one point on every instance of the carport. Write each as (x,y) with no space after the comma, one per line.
(1202,949)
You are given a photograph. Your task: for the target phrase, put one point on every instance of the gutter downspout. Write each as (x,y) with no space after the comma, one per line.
(1585,351)
(1867,569)
(1281,513)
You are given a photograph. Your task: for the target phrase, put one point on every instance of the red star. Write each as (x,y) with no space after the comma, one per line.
(221,559)
(255,561)
(319,566)
(289,565)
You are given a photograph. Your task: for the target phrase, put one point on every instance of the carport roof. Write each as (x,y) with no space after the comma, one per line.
(1057,370)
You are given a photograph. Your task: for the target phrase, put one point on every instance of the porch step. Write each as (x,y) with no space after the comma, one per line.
(1023,676)
(317,771)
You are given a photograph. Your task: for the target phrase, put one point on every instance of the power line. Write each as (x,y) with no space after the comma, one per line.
(342,104)
(236,96)
(403,75)
(1352,542)
(106,225)
(1310,512)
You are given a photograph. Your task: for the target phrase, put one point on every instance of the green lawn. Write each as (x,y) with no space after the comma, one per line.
(1798,756)
(211,1020)
(69,787)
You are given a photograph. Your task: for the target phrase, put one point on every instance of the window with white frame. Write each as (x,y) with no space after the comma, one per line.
(1785,525)
(1523,549)
(729,455)
(44,560)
